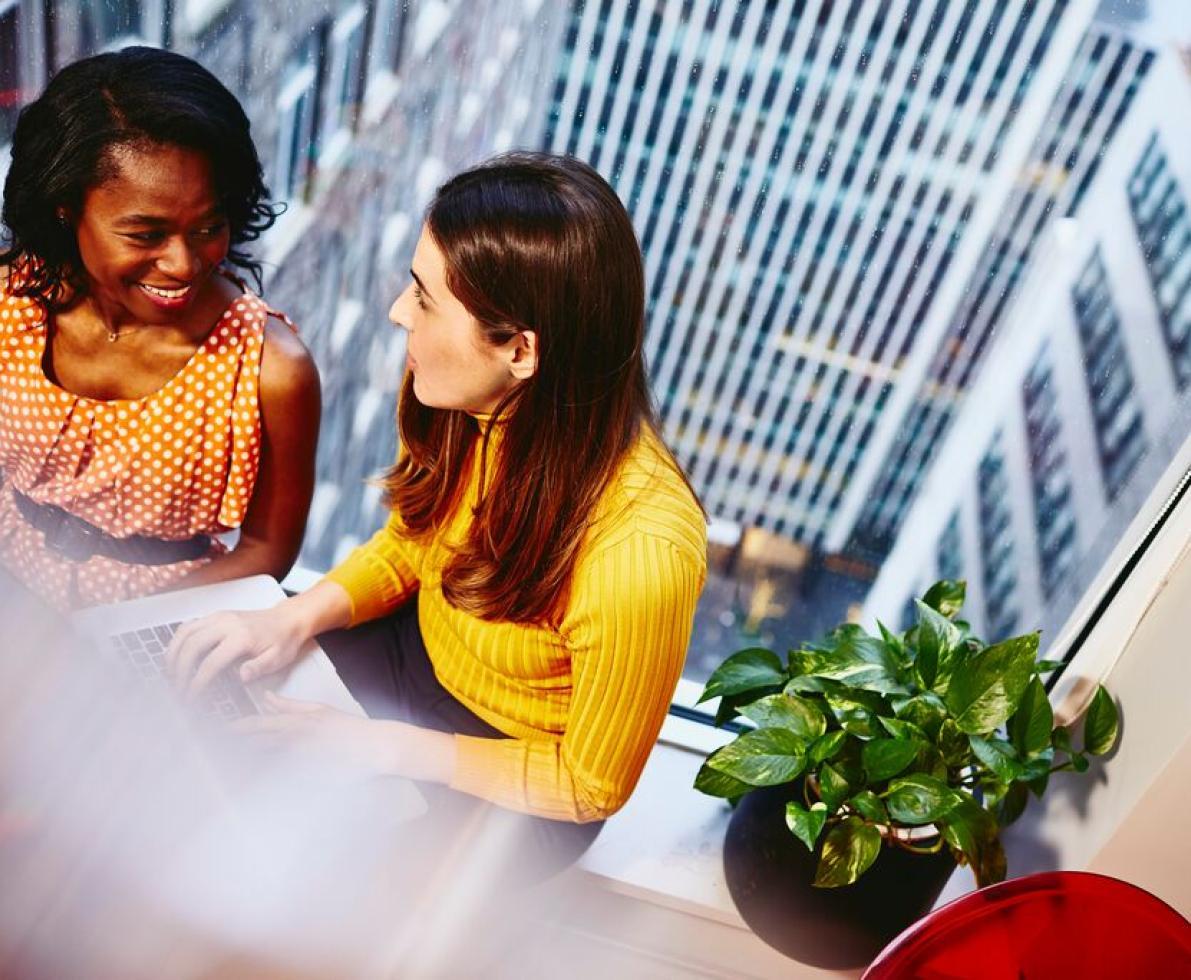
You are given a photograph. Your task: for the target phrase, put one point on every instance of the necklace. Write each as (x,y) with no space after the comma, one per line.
(113,333)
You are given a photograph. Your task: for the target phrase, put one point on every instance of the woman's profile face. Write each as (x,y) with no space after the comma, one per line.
(452,364)
(151,236)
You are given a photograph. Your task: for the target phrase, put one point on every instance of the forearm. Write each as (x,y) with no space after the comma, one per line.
(415,753)
(248,558)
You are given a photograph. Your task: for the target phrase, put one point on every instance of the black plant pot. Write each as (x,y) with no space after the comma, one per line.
(770,871)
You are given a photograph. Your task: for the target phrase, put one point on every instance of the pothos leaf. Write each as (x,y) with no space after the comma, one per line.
(919,799)
(987,687)
(796,714)
(806,824)
(765,757)
(833,787)
(825,747)
(745,671)
(1101,723)
(849,849)
(715,783)
(946,596)
(885,757)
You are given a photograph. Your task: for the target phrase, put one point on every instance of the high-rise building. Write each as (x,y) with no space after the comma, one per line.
(1082,405)
(813,185)
(1097,91)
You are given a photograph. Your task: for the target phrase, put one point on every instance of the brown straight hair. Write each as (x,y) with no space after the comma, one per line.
(531,242)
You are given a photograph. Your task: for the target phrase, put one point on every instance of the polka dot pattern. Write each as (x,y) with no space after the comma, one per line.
(178,462)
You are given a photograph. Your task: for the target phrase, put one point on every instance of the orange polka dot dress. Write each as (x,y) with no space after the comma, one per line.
(178,462)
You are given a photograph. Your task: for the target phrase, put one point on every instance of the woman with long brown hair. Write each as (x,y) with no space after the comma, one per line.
(528,605)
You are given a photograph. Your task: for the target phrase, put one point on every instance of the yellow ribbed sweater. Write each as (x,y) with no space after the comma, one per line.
(583,701)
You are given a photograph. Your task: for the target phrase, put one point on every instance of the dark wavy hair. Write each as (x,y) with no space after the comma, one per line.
(63,145)
(542,243)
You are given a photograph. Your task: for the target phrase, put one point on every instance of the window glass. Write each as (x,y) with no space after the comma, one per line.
(918,274)
(11,90)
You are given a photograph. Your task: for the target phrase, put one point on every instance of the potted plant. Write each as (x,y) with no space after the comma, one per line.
(873,765)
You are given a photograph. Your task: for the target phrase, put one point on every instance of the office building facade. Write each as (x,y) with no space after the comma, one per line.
(1083,118)
(812,184)
(1084,404)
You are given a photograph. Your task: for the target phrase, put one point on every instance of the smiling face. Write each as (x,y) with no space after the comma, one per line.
(453,365)
(151,236)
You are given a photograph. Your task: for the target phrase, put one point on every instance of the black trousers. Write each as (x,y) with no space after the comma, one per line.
(385,665)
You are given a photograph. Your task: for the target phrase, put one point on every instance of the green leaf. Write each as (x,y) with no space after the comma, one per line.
(745,671)
(825,747)
(1079,762)
(919,799)
(1037,766)
(971,830)
(938,639)
(726,711)
(930,761)
(869,806)
(765,757)
(1101,724)
(953,744)
(796,714)
(1061,738)
(926,711)
(946,597)
(806,824)
(715,783)
(987,687)
(998,755)
(902,729)
(1047,666)
(1039,783)
(855,720)
(849,849)
(833,787)
(1014,802)
(893,643)
(885,757)
(1030,725)
(860,661)
(806,684)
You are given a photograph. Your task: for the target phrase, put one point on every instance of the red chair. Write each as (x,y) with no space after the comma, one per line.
(1049,926)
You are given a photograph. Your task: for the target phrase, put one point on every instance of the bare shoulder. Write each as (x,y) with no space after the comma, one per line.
(287,369)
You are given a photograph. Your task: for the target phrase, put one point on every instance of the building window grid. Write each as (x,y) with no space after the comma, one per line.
(1116,410)
(345,80)
(998,275)
(997,545)
(1023,83)
(297,133)
(1160,214)
(1050,478)
(949,558)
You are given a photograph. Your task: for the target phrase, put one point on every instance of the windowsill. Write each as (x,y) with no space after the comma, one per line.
(663,851)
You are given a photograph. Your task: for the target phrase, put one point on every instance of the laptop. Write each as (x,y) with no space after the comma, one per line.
(136,632)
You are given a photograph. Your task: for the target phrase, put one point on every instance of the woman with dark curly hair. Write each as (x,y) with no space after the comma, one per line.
(150,401)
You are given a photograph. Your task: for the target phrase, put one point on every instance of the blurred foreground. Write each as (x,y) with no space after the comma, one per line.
(136,843)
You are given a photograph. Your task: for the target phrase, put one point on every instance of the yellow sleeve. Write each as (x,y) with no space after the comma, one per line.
(380,574)
(628,632)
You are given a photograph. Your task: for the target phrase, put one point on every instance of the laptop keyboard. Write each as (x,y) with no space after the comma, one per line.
(143,650)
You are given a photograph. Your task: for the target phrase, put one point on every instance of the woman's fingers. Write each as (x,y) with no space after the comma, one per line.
(261,664)
(284,705)
(220,656)
(190,644)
